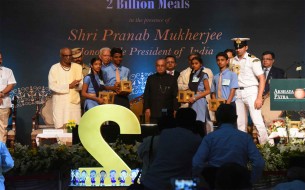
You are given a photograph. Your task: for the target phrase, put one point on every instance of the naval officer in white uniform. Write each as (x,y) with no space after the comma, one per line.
(249,95)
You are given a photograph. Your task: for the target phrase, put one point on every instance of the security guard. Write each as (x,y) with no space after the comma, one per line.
(251,82)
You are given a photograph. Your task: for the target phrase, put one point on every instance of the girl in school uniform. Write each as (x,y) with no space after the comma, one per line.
(199,84)
(93,83)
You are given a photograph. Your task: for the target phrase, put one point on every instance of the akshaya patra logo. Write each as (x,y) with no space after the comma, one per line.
(148,4)
(298,93)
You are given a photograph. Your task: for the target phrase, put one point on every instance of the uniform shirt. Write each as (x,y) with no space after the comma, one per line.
(200,105)
(6,78)
(110,71)
(184,77)
(88,104)
(105,66)
(250,68)
(228,144)
(87,80)
(196,78)
(229,81)
(6,163)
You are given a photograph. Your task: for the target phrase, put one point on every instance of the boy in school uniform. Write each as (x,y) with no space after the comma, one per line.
(225,83)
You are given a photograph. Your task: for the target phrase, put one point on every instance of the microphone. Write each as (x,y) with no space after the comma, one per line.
(298,68)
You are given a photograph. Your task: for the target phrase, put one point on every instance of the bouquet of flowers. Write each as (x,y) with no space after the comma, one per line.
(302,126)
(46,158)
(274,160)
(278,123)
(277,156)
(70,125)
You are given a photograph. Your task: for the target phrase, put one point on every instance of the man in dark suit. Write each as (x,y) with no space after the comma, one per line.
(270,71)
(171,65)
(160,93)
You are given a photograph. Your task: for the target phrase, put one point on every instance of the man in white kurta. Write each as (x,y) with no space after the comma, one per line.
(7,83)
(65,81)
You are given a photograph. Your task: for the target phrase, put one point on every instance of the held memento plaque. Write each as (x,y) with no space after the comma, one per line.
(185,95)
(107,96)
(125,87)
(215,103)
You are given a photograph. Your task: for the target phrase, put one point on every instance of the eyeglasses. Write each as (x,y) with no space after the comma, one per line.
(267,59)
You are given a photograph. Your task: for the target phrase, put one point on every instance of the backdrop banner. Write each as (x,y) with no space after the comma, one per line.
(32,33)
(287,94)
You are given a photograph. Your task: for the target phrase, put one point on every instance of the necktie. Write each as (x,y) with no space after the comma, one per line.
(170,72)
(266,72)
(117,75)
(219,86)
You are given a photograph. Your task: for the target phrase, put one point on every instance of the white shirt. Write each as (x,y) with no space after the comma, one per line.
(6,78)
(170,72)
(266,71)
(249,69)
(183,79)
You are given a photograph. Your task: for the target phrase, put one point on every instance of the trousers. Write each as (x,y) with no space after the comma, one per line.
(4,114)
(245,100)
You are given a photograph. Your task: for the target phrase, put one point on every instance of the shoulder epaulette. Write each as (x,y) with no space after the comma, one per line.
(254,60)
(252,56)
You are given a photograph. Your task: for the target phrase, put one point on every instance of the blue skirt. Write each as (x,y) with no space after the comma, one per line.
(201,108)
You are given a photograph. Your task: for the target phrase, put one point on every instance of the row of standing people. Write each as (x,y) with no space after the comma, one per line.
(66,82)
(245,89)
(226,149)
(198,81)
